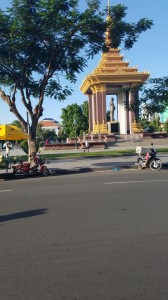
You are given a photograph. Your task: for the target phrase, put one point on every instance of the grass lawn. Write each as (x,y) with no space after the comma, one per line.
(89,154)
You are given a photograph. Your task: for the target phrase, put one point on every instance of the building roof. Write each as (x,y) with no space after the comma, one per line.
(49,122)
(112,71)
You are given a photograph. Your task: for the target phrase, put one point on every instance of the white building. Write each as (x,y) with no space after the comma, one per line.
(51,124)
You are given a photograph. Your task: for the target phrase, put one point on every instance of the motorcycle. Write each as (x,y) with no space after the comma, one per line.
(147,158)
(27,168)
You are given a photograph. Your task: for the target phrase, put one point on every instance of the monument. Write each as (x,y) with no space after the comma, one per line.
(112,125)
(112,76)
(112,109)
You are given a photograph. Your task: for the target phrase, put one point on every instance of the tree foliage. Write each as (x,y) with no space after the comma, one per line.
(122,32)
(43,134)
(155,95)
(165,127)
(75,119)
(17,124)
(42,41)
(150,126)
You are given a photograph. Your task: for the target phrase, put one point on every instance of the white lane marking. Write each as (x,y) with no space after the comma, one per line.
(135,181)
(4,191)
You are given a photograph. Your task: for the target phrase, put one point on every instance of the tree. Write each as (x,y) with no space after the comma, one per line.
(165,127)
(85,116)
(75,114)
(150,126)
(108,115)
(121,32)
(40,135)
(43,134)
(43,40)
(17,123)
(155,95)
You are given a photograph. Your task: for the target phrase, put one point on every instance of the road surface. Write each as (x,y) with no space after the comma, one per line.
(91,236)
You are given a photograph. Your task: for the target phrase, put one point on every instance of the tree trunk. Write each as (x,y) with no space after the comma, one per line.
(32,140)
(32,147)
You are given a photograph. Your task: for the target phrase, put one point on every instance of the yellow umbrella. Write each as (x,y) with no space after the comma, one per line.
(12,133)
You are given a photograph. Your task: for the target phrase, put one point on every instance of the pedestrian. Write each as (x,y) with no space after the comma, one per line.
(51,140)
(8,147)
(86,145)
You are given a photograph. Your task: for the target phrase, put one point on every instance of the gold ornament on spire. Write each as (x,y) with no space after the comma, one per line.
(108,40)
(108,7)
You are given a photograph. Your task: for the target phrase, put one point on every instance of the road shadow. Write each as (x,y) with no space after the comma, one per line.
(23,214)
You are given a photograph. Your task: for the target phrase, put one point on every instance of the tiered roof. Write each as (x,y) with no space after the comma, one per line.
(112,70)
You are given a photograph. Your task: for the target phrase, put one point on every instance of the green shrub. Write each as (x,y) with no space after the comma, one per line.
(165,126)
(154,126)
(24,146)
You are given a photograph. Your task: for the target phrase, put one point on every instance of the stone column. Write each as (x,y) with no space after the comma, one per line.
(99,108)
(122,113)
(91,116)
(131,113)
(104,117)
(127,112)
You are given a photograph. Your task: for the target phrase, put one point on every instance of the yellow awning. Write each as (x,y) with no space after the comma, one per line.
(12,133)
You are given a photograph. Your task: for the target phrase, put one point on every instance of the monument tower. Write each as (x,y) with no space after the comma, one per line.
(111,77)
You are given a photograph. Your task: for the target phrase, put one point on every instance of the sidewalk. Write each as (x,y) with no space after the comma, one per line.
(90,164)
(96,164)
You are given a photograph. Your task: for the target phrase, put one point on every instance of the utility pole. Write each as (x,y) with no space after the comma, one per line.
(28,132)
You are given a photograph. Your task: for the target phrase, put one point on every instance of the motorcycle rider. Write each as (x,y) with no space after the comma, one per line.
(152,153)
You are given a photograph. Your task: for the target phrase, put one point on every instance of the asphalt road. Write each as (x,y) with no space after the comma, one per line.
(91,236)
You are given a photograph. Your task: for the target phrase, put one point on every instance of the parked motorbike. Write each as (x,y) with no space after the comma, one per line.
(147,158)
(28,168)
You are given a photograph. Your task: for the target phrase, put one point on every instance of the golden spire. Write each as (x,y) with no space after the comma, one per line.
(108,40)
(108,7)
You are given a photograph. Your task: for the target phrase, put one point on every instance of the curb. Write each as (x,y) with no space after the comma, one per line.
(55,172)
(85,170)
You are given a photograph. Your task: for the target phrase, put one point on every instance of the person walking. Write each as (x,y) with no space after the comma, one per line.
(8,147)
(86,145)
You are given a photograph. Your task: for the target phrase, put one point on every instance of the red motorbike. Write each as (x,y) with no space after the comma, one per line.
(28,168)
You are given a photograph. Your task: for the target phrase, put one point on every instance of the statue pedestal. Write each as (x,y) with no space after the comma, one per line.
(113,127)
(100,129)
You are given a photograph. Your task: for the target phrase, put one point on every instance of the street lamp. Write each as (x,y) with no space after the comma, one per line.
(75,125)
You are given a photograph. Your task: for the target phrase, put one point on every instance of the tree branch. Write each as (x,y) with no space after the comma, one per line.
(12,106)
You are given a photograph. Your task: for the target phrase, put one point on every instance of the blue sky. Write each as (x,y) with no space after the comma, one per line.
(150,53)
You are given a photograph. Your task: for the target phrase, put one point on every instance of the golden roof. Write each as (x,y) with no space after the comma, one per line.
(113,72)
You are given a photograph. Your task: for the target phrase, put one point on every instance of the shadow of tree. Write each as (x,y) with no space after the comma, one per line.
(23,214)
